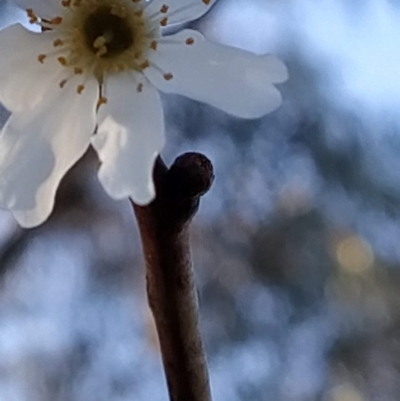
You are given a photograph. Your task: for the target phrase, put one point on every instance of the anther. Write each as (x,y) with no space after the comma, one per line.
(58,42)
(66,3)
(207,2)
(62,61)
(99,42)
(140,88)
(31,15)
(153,45)
(80,89)
(62,83)
(164,21)
(189,41)
(78,71)
(41,57)
(102,100)
(164,9)
(55,21)
(168,76)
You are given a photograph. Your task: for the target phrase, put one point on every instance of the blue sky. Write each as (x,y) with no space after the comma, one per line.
(360,43)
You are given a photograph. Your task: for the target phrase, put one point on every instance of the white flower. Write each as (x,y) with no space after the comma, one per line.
(91,78)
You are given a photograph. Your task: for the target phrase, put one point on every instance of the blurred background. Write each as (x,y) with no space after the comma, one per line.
(296,247)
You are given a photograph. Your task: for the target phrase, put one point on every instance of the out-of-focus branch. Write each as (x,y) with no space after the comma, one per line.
(164,230)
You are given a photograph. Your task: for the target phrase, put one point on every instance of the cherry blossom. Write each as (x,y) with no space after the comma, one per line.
(91,78)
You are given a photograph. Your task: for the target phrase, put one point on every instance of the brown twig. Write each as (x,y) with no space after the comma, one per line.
(164,230)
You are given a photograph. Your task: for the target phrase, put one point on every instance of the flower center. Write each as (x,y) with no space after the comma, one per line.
(107,34)
(97,38)
(100,37)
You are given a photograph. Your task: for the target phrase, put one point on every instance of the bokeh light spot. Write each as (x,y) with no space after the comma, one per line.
(354,255)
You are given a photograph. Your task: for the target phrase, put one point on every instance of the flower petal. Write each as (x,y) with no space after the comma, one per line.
(24,81)
(37,148)
(179,11)
(129,138)
(233,80)
(42,8)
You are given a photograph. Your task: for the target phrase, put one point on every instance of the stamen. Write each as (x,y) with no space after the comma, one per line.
(53,53)
(144,65)
(102,51)
(102,100)
(58,42)
(164,9)
(55,21)
(102,97)
(99,42)
(32,16)
(179,10)
(41,58)
(104,37)
(62,61)
(167,75)
(166,40)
